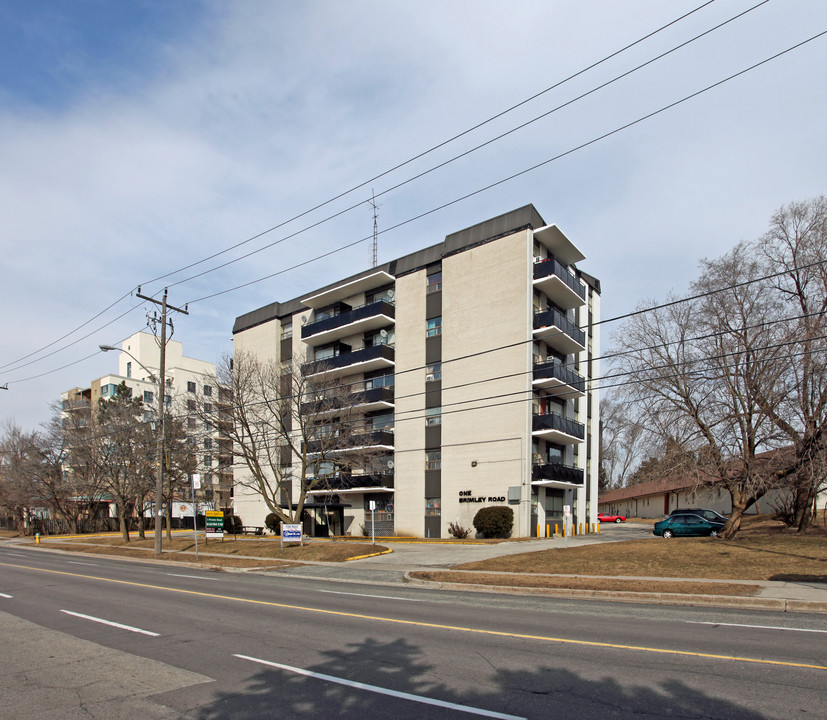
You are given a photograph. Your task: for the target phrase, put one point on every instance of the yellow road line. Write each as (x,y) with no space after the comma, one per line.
(437,626)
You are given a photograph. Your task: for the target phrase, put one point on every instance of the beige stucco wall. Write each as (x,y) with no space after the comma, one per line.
(486,293)
(409,440)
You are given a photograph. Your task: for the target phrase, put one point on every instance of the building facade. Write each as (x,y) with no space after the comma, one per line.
(189,385)
(472,366)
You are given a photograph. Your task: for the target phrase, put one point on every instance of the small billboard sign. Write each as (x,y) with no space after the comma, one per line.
(214,522)
(291,533)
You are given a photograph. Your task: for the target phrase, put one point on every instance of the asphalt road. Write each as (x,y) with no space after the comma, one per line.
(100,638)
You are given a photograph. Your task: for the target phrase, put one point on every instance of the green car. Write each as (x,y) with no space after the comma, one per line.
(686,526)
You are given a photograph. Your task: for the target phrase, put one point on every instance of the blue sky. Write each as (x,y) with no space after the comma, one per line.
(137,138)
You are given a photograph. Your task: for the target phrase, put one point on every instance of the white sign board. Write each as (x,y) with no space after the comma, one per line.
(196,481)
(566,510)
(291,533)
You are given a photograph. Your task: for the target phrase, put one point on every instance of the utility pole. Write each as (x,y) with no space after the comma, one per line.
(159,478)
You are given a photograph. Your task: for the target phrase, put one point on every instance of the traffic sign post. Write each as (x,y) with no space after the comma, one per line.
(196,485)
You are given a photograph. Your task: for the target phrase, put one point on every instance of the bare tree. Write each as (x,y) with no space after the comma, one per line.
(621,442)
(124,448)
(292,432)
(796,246)
(702,369)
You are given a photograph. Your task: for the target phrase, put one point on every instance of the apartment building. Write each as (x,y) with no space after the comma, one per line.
(188,387)
(472,365)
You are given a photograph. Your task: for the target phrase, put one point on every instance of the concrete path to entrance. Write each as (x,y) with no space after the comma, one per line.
(419,555)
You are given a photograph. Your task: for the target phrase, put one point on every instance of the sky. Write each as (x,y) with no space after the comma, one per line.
(209,147)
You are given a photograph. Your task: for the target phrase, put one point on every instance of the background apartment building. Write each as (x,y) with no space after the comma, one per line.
(188,387)
(472,367)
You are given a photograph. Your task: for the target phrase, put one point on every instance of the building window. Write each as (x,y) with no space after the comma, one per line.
(382,422)
(435,326)
(207,443)
(435,282)
(433,372)
(207,391)
(433,459)
(207,460)
(433,416)
(190,404)
(129,369)
(207,407)
(190,386)
(148,396)
(167,400)
(192,423)
(433,506)
(287,331)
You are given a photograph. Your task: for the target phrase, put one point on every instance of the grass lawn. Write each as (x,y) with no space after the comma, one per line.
(255,553)
(762,550)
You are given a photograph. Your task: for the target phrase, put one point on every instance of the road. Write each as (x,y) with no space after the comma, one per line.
(105,638)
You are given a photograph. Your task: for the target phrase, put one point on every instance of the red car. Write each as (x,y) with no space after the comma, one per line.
(603,517)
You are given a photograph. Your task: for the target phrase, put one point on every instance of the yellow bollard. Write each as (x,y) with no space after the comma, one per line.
(580,527)
(556,526)
(37,538)
(598,528)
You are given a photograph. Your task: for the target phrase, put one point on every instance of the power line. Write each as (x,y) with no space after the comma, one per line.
(467,152)
(525,171)
(386,172)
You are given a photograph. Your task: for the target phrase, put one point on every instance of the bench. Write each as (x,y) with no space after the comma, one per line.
(252,530)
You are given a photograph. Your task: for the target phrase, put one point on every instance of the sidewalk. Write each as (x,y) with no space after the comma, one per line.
(395,568)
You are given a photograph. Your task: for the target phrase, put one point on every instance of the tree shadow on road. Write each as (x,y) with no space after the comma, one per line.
(399,665)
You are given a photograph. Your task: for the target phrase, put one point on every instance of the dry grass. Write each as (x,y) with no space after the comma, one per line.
(761,551)
(226,553)
(588,583)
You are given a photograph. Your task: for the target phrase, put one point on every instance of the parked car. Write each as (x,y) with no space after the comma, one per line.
(710,515)
(604,517)
(686,525)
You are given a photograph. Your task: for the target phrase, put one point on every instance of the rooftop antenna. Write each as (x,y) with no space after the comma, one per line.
(375,228)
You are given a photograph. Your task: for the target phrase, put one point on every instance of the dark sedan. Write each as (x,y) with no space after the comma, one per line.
(686,526)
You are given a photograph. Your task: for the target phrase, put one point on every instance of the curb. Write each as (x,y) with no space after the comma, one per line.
(653,598)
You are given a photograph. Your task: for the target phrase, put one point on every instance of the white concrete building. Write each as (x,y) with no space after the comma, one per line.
(187,384)
(474,362)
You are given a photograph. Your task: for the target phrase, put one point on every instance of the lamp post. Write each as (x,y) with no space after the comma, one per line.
(159,477)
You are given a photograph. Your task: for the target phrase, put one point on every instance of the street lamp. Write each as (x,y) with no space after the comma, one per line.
(159,477)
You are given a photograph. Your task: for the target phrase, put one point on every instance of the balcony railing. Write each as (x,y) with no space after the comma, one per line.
(371,358)
(559,331)
(359,441)
(370,316)
(557,472)
(556,423)
(555,373)
(366,400)
(347,481)
(553,267)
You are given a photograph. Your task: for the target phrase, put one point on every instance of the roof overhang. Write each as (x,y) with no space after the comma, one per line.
(354,287)
(559,245)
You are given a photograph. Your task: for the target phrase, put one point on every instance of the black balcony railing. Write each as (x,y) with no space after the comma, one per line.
(557,471)
(347,481)
(375,352)
(556,369)
(372,438)
(554,318)
(554,421)
(365,397)
(380,307)
(552,266)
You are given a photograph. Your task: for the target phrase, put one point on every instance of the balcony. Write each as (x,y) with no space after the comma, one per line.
(558,380)
(555,428)
(346,482)
(380,398)
(559,332)
(371,358)
(559,284)
(365,318)
(556,474)
(365,283)
(371,440)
